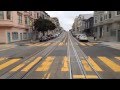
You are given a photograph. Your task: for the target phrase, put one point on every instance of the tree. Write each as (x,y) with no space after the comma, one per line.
(43,25)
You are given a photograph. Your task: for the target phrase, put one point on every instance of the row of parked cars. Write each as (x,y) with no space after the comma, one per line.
(48,37)
(81,37)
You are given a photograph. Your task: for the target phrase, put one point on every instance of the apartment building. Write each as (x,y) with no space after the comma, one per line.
(89,26)
(17,25)
(79,23)
(107,25)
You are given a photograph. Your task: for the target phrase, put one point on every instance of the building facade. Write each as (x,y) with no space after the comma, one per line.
(17,25)
(89,26)
(107,25)
(79,23)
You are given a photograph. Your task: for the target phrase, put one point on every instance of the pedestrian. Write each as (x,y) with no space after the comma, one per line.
(94,38)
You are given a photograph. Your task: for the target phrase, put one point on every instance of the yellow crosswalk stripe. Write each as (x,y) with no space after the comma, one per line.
(86,66)
(39,44)
(115,67)
(117,58)
(46,64)
(4,65)
(89,44)
(65,64)
(95,66)
(17,68)
(87,76)
(29,66)
(2,58)
(46,44)
(61,44)
(82,44)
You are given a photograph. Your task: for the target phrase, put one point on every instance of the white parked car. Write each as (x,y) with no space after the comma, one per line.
(82,37)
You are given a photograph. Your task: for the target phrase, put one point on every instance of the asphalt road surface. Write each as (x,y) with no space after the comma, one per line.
(61,58)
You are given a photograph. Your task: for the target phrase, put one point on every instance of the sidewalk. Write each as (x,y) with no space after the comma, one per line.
(115,45)
(91,39)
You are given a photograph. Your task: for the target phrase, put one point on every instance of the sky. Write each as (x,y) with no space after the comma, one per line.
(66,18)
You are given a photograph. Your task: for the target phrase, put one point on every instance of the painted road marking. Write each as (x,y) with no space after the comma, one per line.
(2,58)
(61,44)
(87,77)
(17,68)
(89,44)
(39,44)
(115,67)
(65,64)
(6,49)
(117,58)
(46,44)
(4,65)
(86,66)
(46,64)
(95,66)
(82,44)
(29,66)
(48,76)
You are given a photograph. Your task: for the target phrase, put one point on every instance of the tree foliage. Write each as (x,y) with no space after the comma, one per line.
(43,25)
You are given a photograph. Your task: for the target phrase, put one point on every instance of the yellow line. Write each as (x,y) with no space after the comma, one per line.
(46,44)
(78,76)
(48,76)
(95,66)
(61,44)
(86,66)
(2,58)
(89,44)
(29,66)
(82,44)
(117,58)
(17,68)
(87,77)
(115,67)
(65,64)
(2,66)
(39,44)
(46,64)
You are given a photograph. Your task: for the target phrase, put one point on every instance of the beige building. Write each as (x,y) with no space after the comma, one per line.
(16,25)
(107,25)
(79,23)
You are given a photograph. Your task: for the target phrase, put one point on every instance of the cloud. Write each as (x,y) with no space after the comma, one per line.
(66,18)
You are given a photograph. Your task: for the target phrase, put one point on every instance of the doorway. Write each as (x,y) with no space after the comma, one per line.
(118,35)
(9,37)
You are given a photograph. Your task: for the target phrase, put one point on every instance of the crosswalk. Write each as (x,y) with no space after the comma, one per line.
(88,44)
(47,64)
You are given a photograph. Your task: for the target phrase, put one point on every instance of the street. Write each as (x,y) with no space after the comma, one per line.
(61,58)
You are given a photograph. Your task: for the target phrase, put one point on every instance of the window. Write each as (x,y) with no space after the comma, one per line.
(37,15)
(101,18)
(1,15)
(95,19)
(107,29)
(14,35)
(113,33)
(8,15)
(26,20)
(24,35)
(118,12)
(110,15)
(19,18)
